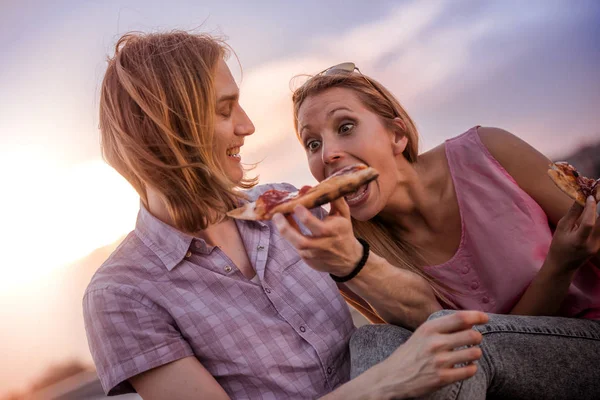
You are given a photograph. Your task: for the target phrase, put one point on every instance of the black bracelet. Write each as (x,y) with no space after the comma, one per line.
(358,267)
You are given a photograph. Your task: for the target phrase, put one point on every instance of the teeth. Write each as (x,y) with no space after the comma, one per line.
(356,196)
(234,152)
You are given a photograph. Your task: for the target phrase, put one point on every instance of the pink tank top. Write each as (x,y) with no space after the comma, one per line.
(505,238)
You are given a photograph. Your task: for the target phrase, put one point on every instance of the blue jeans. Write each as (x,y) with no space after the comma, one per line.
(523,358)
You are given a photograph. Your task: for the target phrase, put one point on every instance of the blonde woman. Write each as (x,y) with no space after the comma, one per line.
(472,217)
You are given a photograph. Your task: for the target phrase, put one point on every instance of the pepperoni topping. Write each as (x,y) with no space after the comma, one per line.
(303,190)
(272,197)
(588,186)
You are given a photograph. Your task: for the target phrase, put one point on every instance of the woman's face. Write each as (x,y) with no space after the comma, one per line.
(337,130)
(231,123)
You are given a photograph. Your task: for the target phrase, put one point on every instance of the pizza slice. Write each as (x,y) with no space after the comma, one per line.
(576,186)
(345,181)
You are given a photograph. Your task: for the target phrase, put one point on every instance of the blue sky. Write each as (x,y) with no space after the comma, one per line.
(531,67)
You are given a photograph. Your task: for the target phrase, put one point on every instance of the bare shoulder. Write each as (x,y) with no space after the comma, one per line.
(528,167)
(508,148)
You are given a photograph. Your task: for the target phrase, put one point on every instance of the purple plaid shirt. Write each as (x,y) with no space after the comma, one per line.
(163,295)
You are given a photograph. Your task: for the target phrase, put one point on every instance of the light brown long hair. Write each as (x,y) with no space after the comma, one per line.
(381,235)
(157,110)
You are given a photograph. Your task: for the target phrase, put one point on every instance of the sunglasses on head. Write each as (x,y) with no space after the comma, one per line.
(350,67)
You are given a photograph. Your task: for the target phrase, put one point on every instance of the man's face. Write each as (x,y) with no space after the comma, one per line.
(231,123)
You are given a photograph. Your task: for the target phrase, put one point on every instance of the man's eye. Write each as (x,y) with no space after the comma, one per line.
(347,127)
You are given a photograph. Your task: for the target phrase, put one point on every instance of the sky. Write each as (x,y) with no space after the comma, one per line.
(530,67)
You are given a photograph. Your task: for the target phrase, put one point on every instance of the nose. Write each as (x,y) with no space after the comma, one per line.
(243,125)
(330,154)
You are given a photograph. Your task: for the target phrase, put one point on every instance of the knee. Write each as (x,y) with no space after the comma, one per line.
(378,336)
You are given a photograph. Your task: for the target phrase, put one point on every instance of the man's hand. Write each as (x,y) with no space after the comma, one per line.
(439,353)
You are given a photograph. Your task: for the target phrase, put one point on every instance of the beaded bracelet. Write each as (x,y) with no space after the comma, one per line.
(358,267)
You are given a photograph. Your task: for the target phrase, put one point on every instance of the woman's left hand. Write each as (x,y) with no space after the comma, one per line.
(577,236)
(331,247)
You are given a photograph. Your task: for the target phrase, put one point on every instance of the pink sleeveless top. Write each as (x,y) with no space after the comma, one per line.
(505,238)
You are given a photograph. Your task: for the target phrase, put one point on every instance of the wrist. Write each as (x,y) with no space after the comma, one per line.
(365,250)
(558,265)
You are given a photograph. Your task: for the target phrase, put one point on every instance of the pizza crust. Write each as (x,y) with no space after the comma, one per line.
(568,184)
(325,192)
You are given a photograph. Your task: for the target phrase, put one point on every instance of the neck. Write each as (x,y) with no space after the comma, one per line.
(213,234)
(414,204)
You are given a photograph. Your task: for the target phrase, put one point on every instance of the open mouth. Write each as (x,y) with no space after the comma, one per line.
(358,197)
(234,153)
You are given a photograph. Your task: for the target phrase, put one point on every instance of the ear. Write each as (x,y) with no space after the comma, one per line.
(399,138)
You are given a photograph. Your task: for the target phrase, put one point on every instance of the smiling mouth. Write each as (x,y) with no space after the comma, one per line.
(234,152)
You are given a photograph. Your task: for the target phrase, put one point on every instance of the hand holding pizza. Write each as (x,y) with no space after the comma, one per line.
(577,236)
(331,247)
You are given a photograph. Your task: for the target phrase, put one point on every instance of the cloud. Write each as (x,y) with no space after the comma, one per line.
(429,53)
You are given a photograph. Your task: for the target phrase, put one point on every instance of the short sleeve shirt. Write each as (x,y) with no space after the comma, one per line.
(164,295)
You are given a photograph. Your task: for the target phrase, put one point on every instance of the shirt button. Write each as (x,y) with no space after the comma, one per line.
(465,270)
(267,290)
(474,285)
(198,245)
(485,300)
(227,268)
(329,370)
(302,328)
(260,247)
(188,254)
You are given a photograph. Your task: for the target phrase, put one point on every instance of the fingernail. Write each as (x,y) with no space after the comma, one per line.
(591,198)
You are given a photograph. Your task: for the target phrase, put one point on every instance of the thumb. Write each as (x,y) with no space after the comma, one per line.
(340,207)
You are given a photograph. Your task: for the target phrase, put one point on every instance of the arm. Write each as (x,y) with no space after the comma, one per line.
(182,379)
(528,167)
(397,296)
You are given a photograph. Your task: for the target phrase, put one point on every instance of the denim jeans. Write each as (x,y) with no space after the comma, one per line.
(523,358)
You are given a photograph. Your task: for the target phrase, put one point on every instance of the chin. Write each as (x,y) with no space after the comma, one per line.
(236,176)
(363,213)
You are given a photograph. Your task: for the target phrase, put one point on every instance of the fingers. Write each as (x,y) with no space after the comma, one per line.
(450,359)
(571,216)
(314,224)
(296,239)
(293,223)
(452,375)
(588,218)
(468,337)
(458,321)
(340,207)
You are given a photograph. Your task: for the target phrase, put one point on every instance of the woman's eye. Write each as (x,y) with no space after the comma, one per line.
(313,145)
(347,127)
(226,113)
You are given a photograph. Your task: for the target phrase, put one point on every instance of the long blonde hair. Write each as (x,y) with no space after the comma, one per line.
(381,235)
(157,110)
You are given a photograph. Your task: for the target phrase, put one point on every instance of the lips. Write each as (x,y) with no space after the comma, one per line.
(234,152)
(359,197)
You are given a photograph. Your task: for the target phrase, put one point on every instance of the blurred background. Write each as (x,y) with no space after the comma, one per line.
(530,67)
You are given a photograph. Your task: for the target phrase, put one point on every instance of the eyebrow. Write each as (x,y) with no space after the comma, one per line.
(329,114)
(228,97)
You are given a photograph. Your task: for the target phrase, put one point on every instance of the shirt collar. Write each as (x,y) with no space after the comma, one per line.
(168,243)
